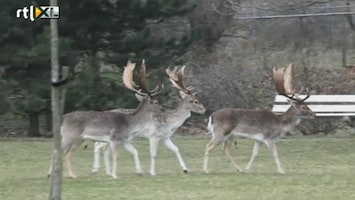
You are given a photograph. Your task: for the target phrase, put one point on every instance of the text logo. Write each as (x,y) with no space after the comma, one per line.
(38,12)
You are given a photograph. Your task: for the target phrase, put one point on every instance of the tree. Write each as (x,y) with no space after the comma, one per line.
(27,63)
(95,32)
(4,102)
(128,28)
(211,18)
(57,97)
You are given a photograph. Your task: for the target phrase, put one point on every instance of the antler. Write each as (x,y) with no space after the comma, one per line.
(142,76)
(288,79)
(283,83)
(143,82)
(283,80)
(128,77)
(130,84)
(307,96)
(176,77)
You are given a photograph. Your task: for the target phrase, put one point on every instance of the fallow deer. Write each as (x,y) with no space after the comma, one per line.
(111,127)
(165,126)
(261,125)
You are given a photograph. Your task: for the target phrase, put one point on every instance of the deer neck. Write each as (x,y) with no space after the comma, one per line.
(290,118)
(179,115)
(183,109)
(142,115)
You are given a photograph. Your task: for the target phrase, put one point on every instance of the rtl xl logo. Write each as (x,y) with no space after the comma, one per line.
(35,12)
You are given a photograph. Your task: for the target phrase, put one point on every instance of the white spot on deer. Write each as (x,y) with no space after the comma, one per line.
(101,138)
(257,136)
(210,125)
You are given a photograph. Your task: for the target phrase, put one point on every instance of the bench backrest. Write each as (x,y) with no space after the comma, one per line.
(321,105)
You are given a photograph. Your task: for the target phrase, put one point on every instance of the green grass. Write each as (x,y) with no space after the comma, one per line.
(316,168)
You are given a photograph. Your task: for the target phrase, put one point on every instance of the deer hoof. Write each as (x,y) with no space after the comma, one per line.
(240,171)
(186,171)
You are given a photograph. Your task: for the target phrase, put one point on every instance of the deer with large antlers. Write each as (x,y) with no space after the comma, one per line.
(261,125)
(111,127)
(166,126)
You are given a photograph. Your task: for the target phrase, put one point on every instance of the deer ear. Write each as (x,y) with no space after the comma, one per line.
(140,98)
(291,101)
(183,95)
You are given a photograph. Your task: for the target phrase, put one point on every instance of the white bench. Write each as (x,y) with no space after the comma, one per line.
(322,105)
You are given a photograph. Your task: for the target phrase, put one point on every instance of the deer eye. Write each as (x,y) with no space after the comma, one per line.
(195,102)
(304,108)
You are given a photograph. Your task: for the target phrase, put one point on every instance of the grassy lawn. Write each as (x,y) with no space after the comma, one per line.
(316,168)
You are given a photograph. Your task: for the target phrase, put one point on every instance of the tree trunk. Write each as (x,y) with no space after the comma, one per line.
(33,129)
(57,112)
(48,120)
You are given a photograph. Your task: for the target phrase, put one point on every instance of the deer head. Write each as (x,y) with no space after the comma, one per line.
(283,83)
(141,91)
(176,77)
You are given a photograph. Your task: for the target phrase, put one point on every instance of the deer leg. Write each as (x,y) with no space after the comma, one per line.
(107,160)
(170,145)
(209,147)
(66,145)
(153,146)
(253,155)
(101,146)
(130,148)
(227,150)
(234,144)
(68,157)
(114,150)
(273,149)
(50,166)
(69,145)
(96,164)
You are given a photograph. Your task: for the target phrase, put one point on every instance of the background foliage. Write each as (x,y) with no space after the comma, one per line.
(229,60)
